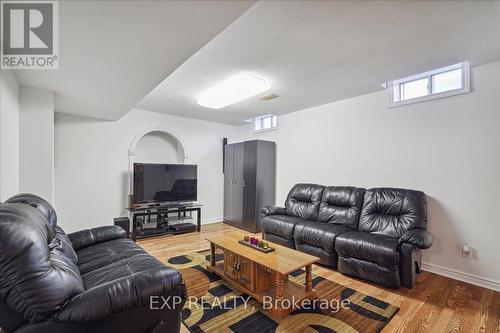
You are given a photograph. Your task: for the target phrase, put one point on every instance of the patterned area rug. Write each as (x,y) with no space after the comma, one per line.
(217,307)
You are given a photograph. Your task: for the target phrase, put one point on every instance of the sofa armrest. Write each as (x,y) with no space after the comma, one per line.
(84,238)
(160,289)
(273,210)
(417,237)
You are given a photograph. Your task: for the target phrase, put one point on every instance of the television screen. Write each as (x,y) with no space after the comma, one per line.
(164,182)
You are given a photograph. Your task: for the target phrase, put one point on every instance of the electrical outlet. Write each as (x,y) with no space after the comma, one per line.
(466,250)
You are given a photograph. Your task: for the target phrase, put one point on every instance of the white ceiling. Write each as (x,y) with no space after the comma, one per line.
(112,53)
(318,52)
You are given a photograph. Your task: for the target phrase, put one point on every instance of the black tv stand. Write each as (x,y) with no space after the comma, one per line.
(156,220)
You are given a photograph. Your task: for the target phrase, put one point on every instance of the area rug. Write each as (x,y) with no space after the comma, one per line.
(215,306)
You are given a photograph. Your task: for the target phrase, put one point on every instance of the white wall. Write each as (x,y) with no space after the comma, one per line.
(158,147)
(449,148)
(91,164)
(9,134)
(36,142)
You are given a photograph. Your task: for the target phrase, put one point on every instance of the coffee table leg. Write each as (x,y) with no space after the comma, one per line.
(212,254)
(280,281)
(308,277)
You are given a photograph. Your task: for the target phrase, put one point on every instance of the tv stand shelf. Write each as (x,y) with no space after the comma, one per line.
(164,224)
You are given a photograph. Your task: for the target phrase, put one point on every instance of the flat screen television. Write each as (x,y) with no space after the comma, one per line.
(163,183)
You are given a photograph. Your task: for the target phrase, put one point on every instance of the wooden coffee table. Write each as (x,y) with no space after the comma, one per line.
(261,274)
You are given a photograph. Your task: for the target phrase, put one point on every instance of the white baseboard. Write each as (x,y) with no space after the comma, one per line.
(461,276)
(211,220)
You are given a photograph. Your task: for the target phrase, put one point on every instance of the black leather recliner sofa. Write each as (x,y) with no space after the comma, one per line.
(90,281)
(374,234)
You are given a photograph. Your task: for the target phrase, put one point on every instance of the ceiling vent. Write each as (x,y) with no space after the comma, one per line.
(268,97)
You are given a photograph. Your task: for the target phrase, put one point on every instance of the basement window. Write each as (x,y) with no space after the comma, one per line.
(265,123)
(442,82)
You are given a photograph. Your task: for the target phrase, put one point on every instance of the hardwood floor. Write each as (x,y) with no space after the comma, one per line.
(436,304)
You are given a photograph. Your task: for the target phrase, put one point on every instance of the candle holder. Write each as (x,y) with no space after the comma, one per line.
(256,244)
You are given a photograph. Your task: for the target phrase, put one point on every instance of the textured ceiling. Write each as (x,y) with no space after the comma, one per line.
(318,52)
(112,53)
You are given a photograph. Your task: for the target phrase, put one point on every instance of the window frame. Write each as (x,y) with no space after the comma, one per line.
(260,118)
(394,87)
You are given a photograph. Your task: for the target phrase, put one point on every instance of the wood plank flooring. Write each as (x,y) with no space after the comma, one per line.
(436,304)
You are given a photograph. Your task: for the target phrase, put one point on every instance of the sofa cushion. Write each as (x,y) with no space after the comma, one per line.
(303,201)
(106,253)
(392,211)
(385,275)
(121,269)
(88,237)
(124,286)
(277,239)
(281,225)
(379,249)
(318,234)
(341,205)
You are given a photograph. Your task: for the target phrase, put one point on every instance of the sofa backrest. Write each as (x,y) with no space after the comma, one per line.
(303,201)
(341,205)
(65,247)
(42,205)
(37,263)
(393,211)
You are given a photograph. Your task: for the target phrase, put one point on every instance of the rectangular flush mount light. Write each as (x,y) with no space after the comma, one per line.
(232,90)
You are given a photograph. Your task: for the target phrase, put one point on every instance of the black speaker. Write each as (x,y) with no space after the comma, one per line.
(123,222)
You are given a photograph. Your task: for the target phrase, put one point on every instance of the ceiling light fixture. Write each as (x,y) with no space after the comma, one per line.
(232,90)
(268,97)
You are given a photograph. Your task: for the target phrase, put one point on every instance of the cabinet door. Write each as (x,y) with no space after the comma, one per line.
(238,165)
(249,190)
(246,270)
(228,182)
(265,179)
(230,265)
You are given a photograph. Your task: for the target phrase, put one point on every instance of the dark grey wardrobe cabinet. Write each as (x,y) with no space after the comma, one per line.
(249,182)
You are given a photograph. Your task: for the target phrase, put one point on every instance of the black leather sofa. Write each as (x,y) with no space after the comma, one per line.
(90,281)
(374,234)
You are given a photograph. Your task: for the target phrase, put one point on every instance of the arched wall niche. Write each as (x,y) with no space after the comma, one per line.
(182,156)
